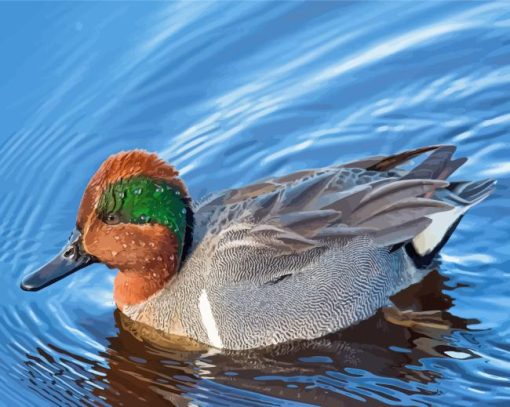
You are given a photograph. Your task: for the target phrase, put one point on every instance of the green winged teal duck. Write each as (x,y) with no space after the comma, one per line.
(292,257)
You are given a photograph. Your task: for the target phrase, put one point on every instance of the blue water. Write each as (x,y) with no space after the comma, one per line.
(230,93)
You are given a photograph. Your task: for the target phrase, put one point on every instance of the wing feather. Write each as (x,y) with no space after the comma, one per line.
(300,211)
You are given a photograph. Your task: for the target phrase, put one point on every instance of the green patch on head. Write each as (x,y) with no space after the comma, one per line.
(141,200)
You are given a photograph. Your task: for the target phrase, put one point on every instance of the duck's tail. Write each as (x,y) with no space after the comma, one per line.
(461,195)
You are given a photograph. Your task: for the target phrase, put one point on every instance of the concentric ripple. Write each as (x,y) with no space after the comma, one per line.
(230,95)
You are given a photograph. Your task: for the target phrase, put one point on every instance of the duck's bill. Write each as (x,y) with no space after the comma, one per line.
(72,258)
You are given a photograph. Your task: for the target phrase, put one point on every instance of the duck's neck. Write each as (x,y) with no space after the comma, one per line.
(134,286)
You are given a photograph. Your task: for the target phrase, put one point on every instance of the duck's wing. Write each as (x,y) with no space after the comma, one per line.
(390,211)
(345,176)
(343,199)
(310,208)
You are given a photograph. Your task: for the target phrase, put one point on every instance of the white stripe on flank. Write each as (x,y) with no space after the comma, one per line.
(208,321)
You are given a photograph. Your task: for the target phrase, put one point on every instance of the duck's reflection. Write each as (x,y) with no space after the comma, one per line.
(143,366)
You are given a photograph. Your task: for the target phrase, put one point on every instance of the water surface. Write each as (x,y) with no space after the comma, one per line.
(230,93)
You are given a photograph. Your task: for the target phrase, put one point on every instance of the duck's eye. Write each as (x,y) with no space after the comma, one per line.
(112,218)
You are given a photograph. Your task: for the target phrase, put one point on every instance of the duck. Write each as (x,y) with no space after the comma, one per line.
(292,257)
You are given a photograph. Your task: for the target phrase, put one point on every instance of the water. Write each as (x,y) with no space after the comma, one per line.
(230,93)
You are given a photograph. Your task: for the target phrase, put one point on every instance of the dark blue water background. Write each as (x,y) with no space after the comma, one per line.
(230,93)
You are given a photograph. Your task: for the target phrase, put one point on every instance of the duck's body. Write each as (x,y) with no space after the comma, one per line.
(300,256)
(262,298)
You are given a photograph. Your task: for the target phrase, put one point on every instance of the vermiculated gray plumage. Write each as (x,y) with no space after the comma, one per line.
(300,256)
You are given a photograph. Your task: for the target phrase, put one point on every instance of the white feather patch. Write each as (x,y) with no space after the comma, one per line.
(432,236)
(208,321)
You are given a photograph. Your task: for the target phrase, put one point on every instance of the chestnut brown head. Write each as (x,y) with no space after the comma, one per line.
(134,216)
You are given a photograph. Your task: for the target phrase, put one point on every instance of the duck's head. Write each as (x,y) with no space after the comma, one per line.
(134,216)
